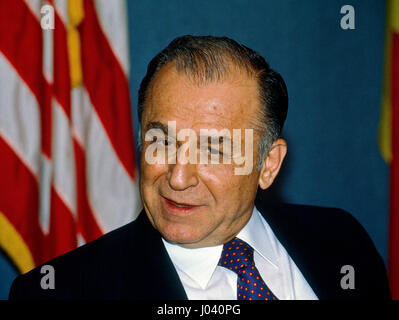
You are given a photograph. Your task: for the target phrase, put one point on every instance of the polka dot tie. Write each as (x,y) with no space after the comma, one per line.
(238,256)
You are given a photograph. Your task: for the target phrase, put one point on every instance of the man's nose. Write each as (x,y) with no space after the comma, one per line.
(182,176)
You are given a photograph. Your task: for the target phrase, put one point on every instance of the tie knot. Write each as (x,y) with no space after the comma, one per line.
(236,255)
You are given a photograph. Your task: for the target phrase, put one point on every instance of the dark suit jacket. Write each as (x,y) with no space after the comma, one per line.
(132,263)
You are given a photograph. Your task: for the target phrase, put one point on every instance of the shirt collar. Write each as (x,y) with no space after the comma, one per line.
(200,263)
(259,236)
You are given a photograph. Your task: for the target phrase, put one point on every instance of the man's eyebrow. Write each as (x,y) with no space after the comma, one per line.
(157,125)
(164,128)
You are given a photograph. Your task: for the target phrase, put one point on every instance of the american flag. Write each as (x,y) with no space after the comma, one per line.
(67,154)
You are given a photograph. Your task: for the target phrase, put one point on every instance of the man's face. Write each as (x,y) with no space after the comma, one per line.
(198,205)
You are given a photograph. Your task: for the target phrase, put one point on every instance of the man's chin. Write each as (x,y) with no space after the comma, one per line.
(185,238)
(184,241)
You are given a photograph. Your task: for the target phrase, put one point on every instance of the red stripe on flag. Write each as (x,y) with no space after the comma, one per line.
(107,87)
(62,236)
(394,192)
(21,43)
(19,199)
(62,80)
(87,224)
(24,32)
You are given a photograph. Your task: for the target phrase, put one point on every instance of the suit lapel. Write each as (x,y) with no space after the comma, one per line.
(155,275)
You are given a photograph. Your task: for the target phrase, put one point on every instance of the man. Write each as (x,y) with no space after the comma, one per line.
(203,102)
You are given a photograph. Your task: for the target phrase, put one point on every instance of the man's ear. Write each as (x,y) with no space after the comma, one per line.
(272,163)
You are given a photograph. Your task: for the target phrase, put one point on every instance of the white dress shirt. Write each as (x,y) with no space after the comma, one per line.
(203,279)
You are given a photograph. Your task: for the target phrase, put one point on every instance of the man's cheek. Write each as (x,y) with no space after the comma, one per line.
(152,171)
(217,175)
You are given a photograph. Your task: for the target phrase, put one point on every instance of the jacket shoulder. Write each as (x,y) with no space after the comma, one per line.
(325,222)
(74,269)
(323,240)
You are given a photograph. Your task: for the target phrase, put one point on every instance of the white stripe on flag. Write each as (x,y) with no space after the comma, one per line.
(113,195)
(61,6)
(48,49)
(63,158)
(20,117)
(113,19)
(45,194)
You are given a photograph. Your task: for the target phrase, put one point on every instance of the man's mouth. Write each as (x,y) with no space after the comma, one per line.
(178,208)
(180,205)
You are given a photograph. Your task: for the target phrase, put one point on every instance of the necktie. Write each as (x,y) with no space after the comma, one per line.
(238,256)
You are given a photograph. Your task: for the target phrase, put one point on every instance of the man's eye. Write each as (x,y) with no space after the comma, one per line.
(214,151)
(166,142)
